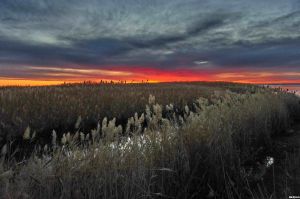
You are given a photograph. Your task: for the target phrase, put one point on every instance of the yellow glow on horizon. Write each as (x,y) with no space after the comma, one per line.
(75,71)
(11,82)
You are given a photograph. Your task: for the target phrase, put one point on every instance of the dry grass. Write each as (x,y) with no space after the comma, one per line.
(193,148)
(58,107)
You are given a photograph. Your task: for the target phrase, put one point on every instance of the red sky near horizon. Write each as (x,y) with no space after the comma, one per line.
(56,75)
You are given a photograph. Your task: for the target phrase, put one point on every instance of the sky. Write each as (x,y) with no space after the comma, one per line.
(55,41)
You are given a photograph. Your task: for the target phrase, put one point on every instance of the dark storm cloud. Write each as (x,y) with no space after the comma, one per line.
(83,52)
(163,34)
(199,27)
(95,51)
(285,52)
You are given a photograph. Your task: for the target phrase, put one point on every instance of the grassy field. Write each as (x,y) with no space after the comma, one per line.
(44,109)
(169,140)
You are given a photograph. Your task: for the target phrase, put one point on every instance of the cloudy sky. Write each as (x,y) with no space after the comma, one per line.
(155,40)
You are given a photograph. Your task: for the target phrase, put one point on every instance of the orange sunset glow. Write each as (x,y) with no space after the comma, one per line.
(57,76)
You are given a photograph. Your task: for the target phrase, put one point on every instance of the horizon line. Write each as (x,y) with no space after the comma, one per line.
(41,83)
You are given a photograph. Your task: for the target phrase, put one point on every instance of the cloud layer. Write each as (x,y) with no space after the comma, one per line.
(201,35)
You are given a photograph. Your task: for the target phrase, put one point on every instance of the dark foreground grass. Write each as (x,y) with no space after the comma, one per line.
(215,147)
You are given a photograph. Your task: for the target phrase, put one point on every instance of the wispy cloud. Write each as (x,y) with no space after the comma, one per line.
(166,35)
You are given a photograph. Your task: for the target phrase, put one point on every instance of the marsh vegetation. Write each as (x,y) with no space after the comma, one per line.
(172,140)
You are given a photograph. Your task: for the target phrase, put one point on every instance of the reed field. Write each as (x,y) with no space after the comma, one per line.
(166,140)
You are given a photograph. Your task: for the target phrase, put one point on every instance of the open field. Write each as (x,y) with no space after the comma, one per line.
(44,109)
(170,140)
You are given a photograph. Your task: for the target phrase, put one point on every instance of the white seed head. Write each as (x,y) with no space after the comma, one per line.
(54,137)
(119,130)
(130,122)
(111,124)
(26,135)
(186,109)
(76,136)
(142,118)
(4,150)
(46,148)
(33,135)
(68,137)
(157,110)
(104,122)
(87,137)
(148,111)
(98,128)
(136,117)
(64,139)
(82,136)
(78,122)
(151,99)
(170,107)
